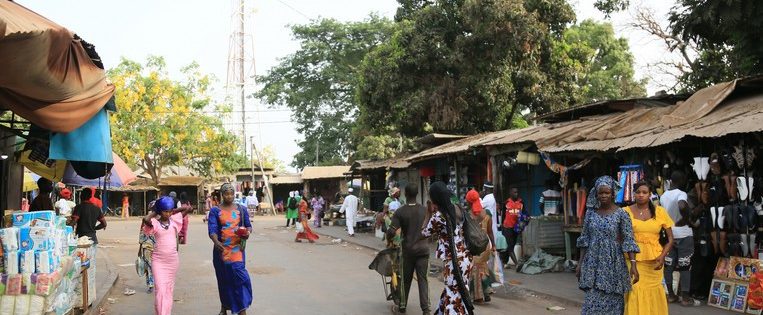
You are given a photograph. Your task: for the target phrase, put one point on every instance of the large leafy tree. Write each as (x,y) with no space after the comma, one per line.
(718,40)
(464,66)
(602,63)
(318,84)
(162,122)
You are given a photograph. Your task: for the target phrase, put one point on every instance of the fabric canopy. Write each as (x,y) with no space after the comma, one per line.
(47,75)
(120,175)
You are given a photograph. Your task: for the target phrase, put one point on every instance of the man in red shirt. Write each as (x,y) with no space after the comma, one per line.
(514,220)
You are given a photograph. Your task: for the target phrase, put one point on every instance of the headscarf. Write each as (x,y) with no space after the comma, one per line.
(173,194)
(592,203)
(226,187)
(164,204)
(65,193)
(291,194)
(473,198)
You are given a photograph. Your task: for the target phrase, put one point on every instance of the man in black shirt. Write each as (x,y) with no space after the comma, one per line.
(87,217)
(43,201)
(410,219)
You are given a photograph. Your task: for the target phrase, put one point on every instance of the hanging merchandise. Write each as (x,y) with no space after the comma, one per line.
(701,167)
(743,155)
(627,176)
(561,169)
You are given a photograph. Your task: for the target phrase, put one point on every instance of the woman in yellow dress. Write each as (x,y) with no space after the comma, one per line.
(648,295)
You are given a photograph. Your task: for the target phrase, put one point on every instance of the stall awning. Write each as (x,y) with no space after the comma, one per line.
(396,163)
(286,179)
(48,77)
(323,172)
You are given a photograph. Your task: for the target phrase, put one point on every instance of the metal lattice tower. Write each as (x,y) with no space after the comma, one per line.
(241,71)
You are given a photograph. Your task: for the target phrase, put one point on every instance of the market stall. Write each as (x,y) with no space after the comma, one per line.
(46,270)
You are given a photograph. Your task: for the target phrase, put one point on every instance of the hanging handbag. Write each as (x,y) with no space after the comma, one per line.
(476,239)
(663,236)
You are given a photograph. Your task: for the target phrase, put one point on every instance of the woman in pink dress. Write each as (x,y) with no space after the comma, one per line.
(164,224)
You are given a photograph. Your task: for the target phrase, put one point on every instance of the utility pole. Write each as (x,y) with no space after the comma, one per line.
(268,197)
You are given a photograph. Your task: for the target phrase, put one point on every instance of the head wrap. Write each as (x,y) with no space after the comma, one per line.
(65,193)
(394,191)
(226,187)
(487,185)
(164,204)
(291,194)
(440,195)
(350,190)
(473,198)
(173,194)
(592,203)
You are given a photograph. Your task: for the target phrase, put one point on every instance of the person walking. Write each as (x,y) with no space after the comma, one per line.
(65,205)
(648,296)
(679,257)
(229,228)
(305,233)
(480,276)
(515,219)
(125,206)
(350,207)
(184,202)
(410,219)
(164,225)
(251,202)
(87,218)
(317,203)
(291,209)
(607,235)
(447,224)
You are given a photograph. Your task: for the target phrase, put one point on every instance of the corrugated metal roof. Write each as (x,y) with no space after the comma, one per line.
(399,162)
(319,172)
(286,179)
(715,111)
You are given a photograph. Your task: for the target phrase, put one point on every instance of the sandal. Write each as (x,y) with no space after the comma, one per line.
(690,302)
(672,298)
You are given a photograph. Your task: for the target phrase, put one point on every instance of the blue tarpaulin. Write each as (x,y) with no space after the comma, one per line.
(90,142)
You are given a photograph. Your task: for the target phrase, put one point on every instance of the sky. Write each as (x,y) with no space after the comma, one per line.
(194,30)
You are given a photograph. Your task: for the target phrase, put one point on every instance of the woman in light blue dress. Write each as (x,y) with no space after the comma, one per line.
(607,235)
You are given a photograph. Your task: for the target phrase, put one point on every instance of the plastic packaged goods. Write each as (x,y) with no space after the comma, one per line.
(14,285)
(7,305)
(43,284)
(28,285)
(37,218)
(26,263)
(22,304)
(35,238)
(45,261)
(36,305)
(11,262)
(10,239)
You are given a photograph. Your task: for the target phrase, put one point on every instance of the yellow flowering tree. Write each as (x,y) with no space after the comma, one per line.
(162,122)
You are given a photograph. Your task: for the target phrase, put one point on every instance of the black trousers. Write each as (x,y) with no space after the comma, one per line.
(419,264)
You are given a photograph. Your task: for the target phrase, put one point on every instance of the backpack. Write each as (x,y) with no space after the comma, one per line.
(476,239)
(292,203)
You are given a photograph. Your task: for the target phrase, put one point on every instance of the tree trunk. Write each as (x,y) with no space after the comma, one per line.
(511,115)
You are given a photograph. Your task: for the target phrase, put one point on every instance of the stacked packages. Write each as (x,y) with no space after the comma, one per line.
(38,265)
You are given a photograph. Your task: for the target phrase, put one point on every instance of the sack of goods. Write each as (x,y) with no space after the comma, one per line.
(38,269)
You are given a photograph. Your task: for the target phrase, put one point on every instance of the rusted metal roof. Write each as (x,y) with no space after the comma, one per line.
(320,172)
(283,179)
(715,111)
(399,162)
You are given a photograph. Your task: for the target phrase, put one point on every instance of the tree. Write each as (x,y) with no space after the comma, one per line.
(161,122)
(464,66)
(270,160)
(318,84)
(602,63)
(718,40)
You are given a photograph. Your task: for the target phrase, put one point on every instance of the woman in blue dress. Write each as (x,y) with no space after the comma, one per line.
(607,234)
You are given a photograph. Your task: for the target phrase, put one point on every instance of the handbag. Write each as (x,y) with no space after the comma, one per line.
(663,237)
(242,244)
(476,239)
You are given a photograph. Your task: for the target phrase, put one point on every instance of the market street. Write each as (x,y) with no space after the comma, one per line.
(287,277)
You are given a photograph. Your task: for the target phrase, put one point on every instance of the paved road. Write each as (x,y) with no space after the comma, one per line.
(288,277)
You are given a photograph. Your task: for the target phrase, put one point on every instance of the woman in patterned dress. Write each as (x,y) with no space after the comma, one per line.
(452,302)
(607,234)
(229,228)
